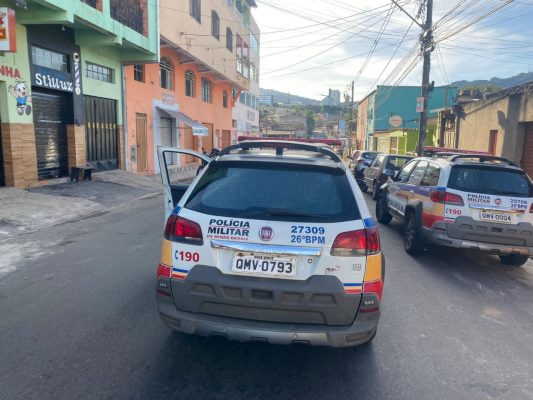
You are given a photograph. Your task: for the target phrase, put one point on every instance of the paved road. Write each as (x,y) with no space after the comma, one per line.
(78,320)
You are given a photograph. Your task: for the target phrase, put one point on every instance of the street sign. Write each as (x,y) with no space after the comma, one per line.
(419,104)
(395,121)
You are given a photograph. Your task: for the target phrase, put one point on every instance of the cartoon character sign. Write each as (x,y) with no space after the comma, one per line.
(20,92)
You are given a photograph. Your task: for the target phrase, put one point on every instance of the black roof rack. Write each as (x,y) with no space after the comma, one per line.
(482,158)
(280,146)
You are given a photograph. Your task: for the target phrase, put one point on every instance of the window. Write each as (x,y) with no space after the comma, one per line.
(206,90)
(190,84)
(166,74)
(490,180)
(396,163)
(406,171)
(195,9)
(49,59)
(255,193)
(225,99)
(215,25)
(229,40)
(138,72)
(377,162)
(431,177)
(99,73)
(418,173)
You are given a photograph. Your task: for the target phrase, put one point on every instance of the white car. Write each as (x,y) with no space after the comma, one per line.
(271,242)
(467,201)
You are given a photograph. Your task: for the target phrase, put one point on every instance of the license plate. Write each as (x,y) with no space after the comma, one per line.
(495,216)
(264,264)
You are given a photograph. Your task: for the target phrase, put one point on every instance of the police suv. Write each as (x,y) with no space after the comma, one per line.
(271,242)
(468,201)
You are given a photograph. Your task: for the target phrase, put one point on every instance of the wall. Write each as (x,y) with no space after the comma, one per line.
(506,115)
(362,118)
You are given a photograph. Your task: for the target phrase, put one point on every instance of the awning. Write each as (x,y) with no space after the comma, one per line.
(197,128)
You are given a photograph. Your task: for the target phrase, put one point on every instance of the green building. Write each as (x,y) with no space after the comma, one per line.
(61,89)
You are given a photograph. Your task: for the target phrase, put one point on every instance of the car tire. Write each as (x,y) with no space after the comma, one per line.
(516,260)
(375,191)
(412,240)
(382,209)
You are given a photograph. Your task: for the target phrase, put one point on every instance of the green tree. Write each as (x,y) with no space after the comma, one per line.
(309,122)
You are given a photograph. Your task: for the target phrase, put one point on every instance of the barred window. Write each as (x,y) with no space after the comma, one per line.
(167,73)
(138,72)
(49,59)
(190,83)
(99,73)
(206,90)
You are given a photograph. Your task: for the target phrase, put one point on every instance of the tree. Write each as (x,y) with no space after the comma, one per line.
(309,122)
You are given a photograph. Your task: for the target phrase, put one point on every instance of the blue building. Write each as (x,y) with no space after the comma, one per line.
(374,129)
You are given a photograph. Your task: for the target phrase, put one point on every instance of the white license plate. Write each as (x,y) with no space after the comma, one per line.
(495,216)
(264,264)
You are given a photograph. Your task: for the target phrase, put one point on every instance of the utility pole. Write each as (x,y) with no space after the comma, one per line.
(351,119)
(427,47)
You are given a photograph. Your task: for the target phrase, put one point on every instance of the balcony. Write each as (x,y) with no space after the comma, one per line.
(92,3)
(129,13)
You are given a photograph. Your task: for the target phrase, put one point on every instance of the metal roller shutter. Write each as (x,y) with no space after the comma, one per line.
(101,133)
(52,112)
(168,139)
(527,155)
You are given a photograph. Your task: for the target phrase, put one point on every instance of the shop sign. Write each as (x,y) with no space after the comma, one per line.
(8,32)
(168,99)
(51,79)
(9,72)
(420,104)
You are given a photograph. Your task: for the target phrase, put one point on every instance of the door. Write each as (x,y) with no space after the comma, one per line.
(226,138)
(52,112)
(399,190)
(141,143)
(527,156)
(173,190)
(372,171)
(207,141)
(166,136)
(493,140)
(2,179)
(101,133)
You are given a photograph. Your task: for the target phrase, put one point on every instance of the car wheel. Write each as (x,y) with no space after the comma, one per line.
(375,191)
(412,240)
(516,260)
(382,209)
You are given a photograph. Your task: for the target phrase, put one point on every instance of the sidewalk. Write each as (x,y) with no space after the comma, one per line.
(23,211)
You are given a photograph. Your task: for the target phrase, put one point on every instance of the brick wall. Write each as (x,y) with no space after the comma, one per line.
(20,155)
(77,152)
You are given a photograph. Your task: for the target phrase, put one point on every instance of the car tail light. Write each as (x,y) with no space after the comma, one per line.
(164,271)
(182,230)
(441,196)
(356,243)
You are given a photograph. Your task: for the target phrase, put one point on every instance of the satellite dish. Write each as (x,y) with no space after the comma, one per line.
(395,121)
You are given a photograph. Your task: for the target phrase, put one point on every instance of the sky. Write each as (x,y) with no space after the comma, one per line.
(310,46)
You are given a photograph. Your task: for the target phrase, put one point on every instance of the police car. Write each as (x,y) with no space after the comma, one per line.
(468,201)
(271,242)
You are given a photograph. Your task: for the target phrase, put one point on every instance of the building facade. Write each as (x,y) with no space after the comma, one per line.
(187,99)
(333,98)
(374,130)
(61,89)
(502,125)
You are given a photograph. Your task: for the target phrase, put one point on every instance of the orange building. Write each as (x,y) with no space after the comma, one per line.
(186,100)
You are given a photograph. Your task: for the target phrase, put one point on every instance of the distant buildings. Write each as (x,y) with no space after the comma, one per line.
(333,98)
(266,99)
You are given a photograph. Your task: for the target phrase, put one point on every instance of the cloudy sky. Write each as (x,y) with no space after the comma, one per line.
(308,46)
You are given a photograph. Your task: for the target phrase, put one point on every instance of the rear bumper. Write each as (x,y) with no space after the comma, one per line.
(437,235)
(361,331)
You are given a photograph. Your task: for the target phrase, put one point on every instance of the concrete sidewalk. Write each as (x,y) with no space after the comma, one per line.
(23,211)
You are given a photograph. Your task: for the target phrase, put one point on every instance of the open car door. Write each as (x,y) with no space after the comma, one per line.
(176,181)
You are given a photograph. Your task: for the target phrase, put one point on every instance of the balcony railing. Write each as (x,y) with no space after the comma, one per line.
(129,13)
(91,3)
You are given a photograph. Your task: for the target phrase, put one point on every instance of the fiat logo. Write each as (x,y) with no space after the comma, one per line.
(266,233)
(498,202)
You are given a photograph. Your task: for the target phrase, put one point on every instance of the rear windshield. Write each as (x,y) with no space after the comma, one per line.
(494,181)
(397,163)
(370,156)
(279,192)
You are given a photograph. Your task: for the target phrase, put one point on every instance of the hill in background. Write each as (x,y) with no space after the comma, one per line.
(287,98)
(500,82)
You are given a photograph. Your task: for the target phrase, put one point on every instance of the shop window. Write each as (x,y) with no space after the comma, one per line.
(138,72)
(190,83)
(99,72)
(167,73)
(229,40)
(206,90)
(225,99)
(215,25)
(195,9)
(49,59)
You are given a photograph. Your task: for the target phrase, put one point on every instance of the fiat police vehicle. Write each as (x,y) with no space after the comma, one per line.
(467,201)
(271,242)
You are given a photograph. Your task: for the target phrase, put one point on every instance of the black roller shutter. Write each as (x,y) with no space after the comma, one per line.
(52,112)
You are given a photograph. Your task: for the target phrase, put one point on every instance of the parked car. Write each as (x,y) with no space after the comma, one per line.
(271,242)
(360,160)
(463,201)
(383,167)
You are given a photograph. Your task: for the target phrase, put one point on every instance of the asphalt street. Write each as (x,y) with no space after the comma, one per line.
(78,320)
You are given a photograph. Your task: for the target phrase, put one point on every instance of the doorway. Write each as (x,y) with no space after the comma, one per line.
(142,162)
